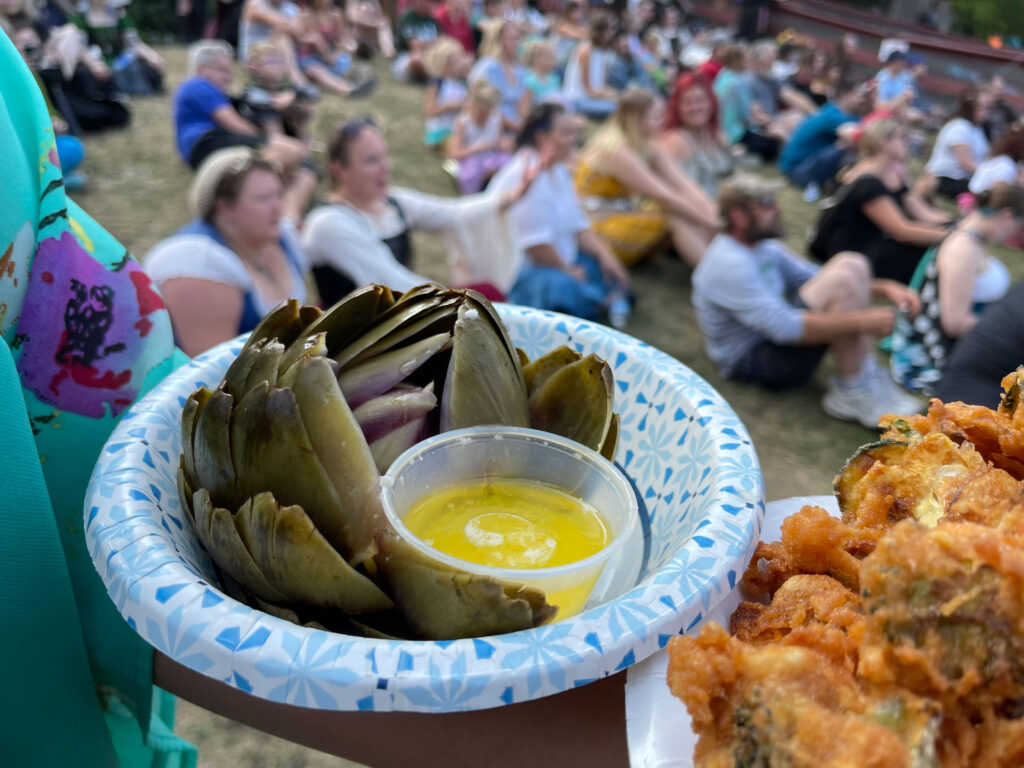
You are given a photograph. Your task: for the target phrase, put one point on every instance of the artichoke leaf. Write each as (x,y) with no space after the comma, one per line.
(442,603)
(484,383)
(576,402)
(543,368)
(389,446)
(343,453)
(273,448)
(216,529)
(238,372)
(267,364)
(299,562)
(212,453)
(190,414)
(311,345)
(185,492)
(378,374)
(478,301)
(611,439)
(285,322)
(391,410)
(393,333)
(524,359)
(352,315)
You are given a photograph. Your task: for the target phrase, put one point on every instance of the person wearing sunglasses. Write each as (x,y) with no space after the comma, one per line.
(363,234)
(239,257)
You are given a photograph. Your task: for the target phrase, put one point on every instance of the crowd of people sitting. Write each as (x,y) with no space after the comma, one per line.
(555,210)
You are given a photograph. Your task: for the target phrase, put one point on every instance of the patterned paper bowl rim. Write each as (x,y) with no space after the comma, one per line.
(152,566)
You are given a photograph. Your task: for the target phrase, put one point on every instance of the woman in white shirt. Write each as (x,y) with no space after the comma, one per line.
(240,257)
(1004,164)
(961,145)
(364,234)
(586,75)
(567,267)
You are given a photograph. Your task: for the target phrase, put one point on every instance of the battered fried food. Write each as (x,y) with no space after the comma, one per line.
(895,635)
(813,541)
(775,705)
(997,435)
(944,614)
(811,611)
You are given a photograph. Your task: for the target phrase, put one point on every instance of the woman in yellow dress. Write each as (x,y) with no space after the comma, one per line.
(634,193)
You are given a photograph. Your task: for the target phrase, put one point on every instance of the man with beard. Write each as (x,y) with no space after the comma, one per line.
(768,316)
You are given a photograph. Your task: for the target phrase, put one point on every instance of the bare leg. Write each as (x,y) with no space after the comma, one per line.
(843,285)
(689,240)
(385,40)
(286,152)
(326,79)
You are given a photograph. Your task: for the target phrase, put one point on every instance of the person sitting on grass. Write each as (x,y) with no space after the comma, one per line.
(586,75)
(364,234)
(326,48)
(238,259)
(736,108)
(206,121)
(814,153)
(448,65)
(768,317)
(542,79)
(138,69)
(417,29)
(961,145)
(269,101)
(632,190)
(477,143)
(70,149)
(958,280)
(567,267)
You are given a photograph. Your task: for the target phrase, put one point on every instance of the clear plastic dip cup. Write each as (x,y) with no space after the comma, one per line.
(487,454)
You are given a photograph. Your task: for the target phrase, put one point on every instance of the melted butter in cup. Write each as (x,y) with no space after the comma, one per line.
(520,505)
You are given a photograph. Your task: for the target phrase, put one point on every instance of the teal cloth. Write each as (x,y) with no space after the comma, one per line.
(88,335)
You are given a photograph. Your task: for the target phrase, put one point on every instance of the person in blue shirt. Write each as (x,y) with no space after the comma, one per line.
(814,153)
(205,119)
(895,83)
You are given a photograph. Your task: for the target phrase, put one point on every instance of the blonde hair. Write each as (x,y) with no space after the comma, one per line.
(624,127)
(435,60)
(483,94)
(205,51)
(261,50)
(876,134)
(534,48)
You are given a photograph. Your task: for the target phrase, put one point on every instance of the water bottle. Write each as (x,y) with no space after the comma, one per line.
(619,308)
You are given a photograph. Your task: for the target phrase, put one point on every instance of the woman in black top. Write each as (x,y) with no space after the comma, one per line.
(876,214)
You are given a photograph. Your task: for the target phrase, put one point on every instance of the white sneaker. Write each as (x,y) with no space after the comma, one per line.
(904,402)
(864,404)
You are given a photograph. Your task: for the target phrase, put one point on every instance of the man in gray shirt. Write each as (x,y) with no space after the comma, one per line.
(768,316)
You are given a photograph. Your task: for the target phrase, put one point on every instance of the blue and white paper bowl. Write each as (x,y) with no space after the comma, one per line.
(687,453)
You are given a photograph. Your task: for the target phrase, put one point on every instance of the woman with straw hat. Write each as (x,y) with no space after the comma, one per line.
(237,260)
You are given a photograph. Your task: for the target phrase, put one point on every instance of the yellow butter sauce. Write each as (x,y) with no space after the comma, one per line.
(514,524)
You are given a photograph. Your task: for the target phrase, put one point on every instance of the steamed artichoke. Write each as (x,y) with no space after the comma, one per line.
(281,463)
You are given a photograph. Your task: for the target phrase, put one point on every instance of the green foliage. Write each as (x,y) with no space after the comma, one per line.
(982,18)
(155,19)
